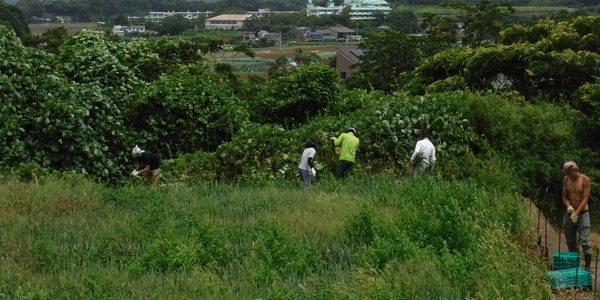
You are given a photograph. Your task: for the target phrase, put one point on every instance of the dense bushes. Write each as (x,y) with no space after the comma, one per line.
(387,126)
(189,110)
(295,98)
(549,59)
(51,121)
(84,108)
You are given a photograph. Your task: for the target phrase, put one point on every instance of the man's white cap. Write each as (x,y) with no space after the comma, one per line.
(137,151)
(570,164)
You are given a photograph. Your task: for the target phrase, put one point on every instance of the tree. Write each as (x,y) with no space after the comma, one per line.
(403,20)
(441,33)
(482,22)
(54,38)
(297,96)
(31,8)
(344,15)
(301,57)
(244,48)
(53,122)
(173,25)
(189,110)
(12,17)
(386,55)
(121,20)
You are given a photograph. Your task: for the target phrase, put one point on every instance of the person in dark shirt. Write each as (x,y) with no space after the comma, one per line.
(147,164)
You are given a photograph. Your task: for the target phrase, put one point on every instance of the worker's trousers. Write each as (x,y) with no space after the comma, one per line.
(583,226)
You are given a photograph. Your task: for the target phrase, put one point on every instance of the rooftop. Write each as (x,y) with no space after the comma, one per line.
(230,17)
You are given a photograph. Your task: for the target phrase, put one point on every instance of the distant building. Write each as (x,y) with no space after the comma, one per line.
(157,16)
(228,21)
(121,30)
(269,36)
(341,32)
(246,35)
(329,34)
(321,35)
(347,59)
(300,32)
(63,19)
(359,9)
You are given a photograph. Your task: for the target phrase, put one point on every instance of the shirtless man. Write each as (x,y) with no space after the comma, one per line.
(576,191)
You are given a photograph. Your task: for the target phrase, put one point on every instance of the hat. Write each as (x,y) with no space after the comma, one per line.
(315,144)
(137,151)
(351,129)
(570,164)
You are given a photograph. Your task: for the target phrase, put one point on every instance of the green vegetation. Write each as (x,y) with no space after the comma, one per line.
(506,106)
(445,10)
(370,237)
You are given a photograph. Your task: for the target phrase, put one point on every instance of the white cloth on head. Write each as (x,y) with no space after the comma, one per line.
(307,153)
(570,164)
(137,151)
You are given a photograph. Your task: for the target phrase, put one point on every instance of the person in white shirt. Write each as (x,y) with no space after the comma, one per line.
(423,158)
(307,163)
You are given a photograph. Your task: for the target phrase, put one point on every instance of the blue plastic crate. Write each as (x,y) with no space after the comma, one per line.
(566,260)
(570,278)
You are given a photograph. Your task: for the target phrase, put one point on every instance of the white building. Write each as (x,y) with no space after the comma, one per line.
(122,30)
(227,21)
(359,9)
(157,16)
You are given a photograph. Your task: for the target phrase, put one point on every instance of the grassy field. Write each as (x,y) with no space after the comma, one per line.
(72,28)
(372,237)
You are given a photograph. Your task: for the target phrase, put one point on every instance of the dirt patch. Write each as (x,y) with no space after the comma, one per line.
(72,28)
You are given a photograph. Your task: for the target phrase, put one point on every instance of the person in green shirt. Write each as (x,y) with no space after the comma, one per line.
(347,143)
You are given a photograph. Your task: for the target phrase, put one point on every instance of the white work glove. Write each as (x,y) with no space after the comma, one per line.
(570,209)
(313,172)
(135,172)
(574,217)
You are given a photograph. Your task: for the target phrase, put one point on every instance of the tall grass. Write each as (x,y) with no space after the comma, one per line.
(376,237)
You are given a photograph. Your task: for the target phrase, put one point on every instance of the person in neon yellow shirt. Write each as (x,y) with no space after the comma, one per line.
(348,144)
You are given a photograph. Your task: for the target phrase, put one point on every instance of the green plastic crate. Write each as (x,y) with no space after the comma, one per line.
(570,278)
(565,260)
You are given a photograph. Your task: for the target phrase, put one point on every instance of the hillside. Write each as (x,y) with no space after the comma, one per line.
(370,237)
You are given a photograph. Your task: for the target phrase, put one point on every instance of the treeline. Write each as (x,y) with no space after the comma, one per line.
(101,10)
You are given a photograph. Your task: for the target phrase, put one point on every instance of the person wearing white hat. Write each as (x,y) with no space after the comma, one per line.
(147,164)
(306,168)
(576,190)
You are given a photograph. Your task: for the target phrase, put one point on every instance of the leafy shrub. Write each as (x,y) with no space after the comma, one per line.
(511,126)
(348,101)
(454,83)
(90,58)
(388,128)
(52,122)
(293,99)
(258,152)
(184,112)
